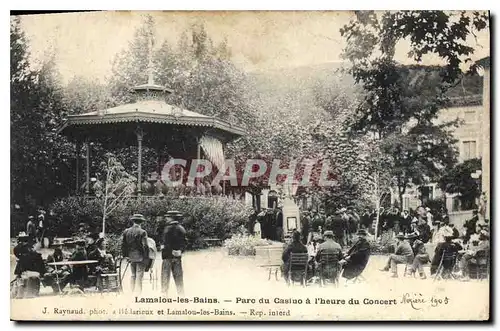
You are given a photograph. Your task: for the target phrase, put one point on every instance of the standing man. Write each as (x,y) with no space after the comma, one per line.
(279,224)
(470,226)
(135,249)
(405,222)
(396,220)
(305,222)
(422,227)
(41,228)
(31,229)
(174,243)
(338,226)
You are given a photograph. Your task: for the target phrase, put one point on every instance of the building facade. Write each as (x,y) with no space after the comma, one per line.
(473,141)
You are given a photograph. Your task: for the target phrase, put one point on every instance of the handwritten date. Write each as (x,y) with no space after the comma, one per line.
(418,301)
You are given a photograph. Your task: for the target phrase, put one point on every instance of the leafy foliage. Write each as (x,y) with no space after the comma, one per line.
(458,180)
(40,167)
(401,103)
(244,244)
(215,217)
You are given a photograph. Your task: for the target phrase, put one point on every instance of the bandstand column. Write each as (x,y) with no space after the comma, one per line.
(87,168)
(158,160)
(140,135)
(198,156)
(77,156)
(198,149)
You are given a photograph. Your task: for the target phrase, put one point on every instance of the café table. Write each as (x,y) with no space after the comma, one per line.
(71,264)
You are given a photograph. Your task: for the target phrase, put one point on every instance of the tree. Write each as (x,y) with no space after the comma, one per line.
(458,180)
(118,188)
(401,103)
(201,74)
(39,156)
(130,67)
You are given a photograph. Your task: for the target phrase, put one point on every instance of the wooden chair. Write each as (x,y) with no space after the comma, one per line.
(111,282)
(274,262)
(446,266)
(479,266)
(297,271)
(329,268)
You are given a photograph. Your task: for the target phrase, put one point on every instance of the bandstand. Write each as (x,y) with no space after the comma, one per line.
(149,121)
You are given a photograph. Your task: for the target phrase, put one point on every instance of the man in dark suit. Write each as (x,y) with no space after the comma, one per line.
(357,257)
(31,229)
(329,246)
(135,249)
(29,269)
(174,243)
(80,272)
(294,247)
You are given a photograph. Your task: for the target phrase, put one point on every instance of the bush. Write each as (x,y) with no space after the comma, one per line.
(436,205)
(244,244)
(114,244)
(216,217)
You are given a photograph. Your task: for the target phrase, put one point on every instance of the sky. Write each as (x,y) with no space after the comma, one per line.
(86,43)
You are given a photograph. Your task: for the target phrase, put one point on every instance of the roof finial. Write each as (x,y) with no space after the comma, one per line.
(150,63)
(150,91)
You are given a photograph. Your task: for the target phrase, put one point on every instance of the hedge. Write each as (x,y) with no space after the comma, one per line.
(214,217)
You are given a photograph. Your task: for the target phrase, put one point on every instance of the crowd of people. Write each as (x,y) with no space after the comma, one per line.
(32,270)
(415,233)
(343,235)
(61,268)
(350,263)
(461,249)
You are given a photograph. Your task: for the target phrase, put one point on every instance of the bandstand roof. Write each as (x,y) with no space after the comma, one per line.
(154,115)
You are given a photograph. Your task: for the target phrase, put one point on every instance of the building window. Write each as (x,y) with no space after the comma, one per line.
(455,204)
(426,193)
(470,116)
(406,203)
(469,150)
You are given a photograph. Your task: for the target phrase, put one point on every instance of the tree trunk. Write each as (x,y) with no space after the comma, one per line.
(400,199)
(377,203)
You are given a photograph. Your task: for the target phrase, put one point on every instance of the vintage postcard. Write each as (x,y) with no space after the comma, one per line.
(299,165)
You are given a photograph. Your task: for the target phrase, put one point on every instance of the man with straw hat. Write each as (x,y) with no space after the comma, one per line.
(135,249)
(403,255)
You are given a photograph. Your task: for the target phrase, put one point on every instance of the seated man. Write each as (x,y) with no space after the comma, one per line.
(294,247)
(106,262)
(28,271)
(357,257)
(22,247)
(483,245)
(421,256)
(449,247)
(404,254)
(329,247)
(57,278)
(80,272)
